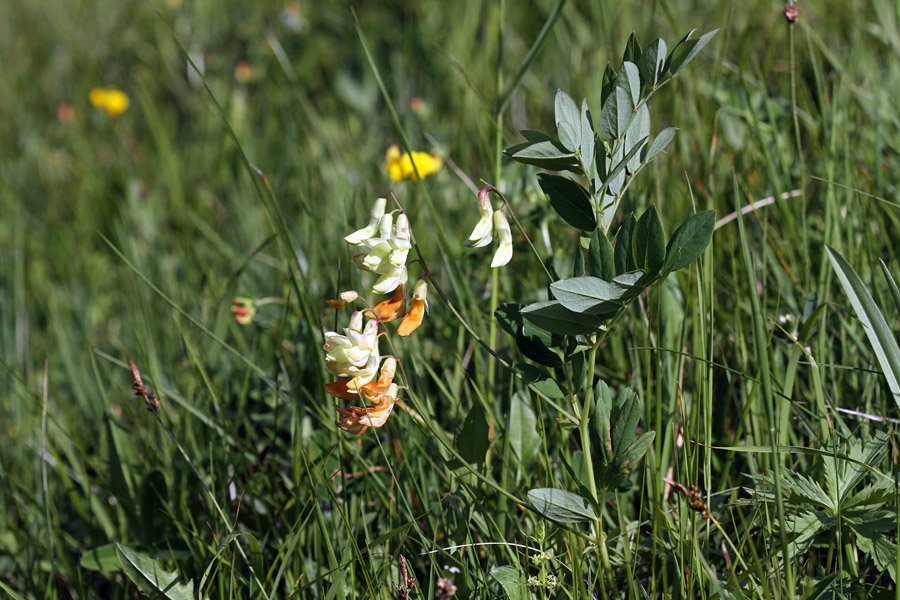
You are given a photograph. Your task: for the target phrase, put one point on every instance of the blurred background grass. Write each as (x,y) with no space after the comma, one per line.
(164,185)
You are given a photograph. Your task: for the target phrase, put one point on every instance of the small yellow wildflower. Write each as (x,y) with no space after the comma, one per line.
(400,167)
(113,100)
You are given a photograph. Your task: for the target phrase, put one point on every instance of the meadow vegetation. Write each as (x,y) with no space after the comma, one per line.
(662,365)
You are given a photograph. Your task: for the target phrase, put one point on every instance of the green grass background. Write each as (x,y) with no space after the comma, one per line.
(127,239)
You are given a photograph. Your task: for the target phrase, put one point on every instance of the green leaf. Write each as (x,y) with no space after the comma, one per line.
(103,558)
(472,442)
(556,318)
(615,114)
(570,200)
(568,121)
(626,415)
(150,578)
(542,151)
(629,79)
(256,555)
(652,63)
(649,243)
(689,241)
(686,50)
(512,581)
(623,256)
(877,543)
(660,143)
(608,84)
(541,381)
(636,138)
(533,342)
(601,261)
(578,266)
(632,50)
(586,145)
(601,416)
(561,506)
(880,336)
(627,460)
(591,295)
(524,438)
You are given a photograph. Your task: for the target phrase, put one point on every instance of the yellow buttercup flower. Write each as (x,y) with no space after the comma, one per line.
(113,100)
(400,167)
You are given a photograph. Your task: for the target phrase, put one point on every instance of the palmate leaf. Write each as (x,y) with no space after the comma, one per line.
(804,527)
(874,533)
(843,475)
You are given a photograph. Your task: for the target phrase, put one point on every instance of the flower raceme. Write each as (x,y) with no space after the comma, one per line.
(387,245)
(481,235)
(400,167)
(354,354)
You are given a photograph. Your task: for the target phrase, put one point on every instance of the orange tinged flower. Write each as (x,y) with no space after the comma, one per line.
(357,419)
(343,299)
(417,312)
(373,390)
(390,309)
(342,389)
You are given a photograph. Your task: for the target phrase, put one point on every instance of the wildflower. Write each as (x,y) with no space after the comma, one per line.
(65,112)
(357,419)
(417,104)
(505,250)
(401,167)
(373,390)
(445,588)
(481,235)
(244,310)
(114,101)
(354,354)
(352,389)
(414,317)
(390,309)
(343,299)
(244,72)
(383,393)
(358,237)
(387,254)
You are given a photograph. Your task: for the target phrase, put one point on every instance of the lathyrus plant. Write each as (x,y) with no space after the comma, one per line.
(565,332)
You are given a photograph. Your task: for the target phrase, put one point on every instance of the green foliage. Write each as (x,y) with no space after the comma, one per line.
(151,580)
(840,507)
(127,238)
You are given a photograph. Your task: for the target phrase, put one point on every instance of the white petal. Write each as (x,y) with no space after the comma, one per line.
(502,256)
